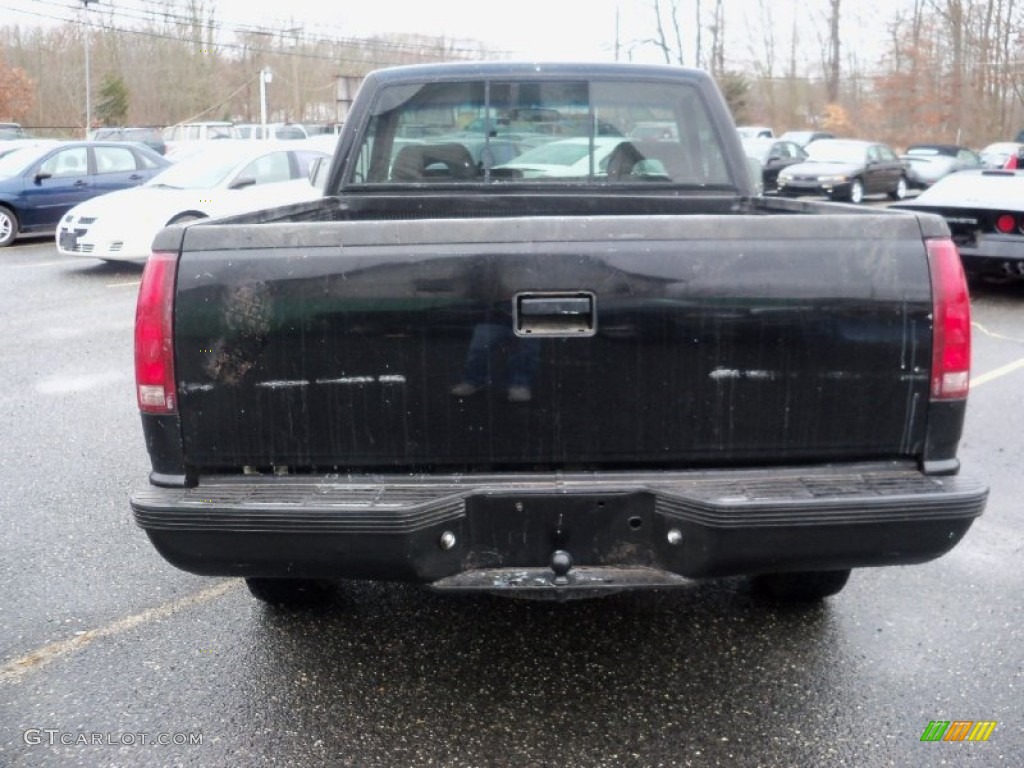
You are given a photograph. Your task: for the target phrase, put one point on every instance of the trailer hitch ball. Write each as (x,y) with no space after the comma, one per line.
(447,540)
(675,537)
(561,563)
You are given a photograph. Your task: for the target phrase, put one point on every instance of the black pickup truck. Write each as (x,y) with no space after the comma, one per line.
(528,344)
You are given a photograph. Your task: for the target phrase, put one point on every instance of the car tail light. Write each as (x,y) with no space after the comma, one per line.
(951,340)
(1006,224)
(154,349)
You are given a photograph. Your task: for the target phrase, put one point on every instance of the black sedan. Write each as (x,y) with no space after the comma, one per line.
(985,213)
(39,184)
(774,155)
(846,169)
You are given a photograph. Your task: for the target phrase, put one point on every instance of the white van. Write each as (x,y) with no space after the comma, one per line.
(755,132)
(279,131)
(179,136)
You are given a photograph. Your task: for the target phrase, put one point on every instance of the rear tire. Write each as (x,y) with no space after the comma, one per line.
(9,226)
(290,593)
(800,587)
(901,190)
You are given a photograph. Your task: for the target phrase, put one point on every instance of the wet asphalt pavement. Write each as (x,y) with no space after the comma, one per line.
(105,649)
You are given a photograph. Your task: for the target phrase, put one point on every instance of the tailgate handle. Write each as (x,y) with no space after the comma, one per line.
(555,314)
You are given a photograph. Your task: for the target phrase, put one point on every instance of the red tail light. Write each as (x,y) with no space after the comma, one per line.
(154,349)
(951,353)
(1006,224)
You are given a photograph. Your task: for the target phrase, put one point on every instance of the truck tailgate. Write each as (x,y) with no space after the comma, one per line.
(637,340)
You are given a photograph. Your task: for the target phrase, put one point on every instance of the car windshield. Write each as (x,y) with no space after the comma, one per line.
(831,152)
(202,171)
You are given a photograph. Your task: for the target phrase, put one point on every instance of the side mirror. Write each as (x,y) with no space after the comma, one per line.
(242,182)
(42,176)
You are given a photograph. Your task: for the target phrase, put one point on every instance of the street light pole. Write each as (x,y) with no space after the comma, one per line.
(265,77)
(88,84)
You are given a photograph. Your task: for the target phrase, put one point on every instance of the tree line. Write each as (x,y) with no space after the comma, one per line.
(182,67)
(949,70)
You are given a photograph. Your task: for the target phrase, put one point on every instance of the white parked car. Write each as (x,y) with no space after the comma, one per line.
(225,179)
(565,158)
(281,131)
(184,137)
(996,155)
(755,132)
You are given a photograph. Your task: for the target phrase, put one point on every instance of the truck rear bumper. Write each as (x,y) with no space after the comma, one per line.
(622,530)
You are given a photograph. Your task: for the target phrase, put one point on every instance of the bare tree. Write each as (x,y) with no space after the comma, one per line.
(661,40)
(762,50)
(17,93)
(718,40)
(833,64)
(699,57)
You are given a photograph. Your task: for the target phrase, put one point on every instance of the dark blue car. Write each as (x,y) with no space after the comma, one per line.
(39,184)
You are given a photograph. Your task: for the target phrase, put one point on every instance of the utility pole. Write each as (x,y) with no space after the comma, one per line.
(616,32)
(266,76)
(295,112)
(88,83)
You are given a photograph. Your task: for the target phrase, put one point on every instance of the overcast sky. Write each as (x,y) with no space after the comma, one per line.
(523,29)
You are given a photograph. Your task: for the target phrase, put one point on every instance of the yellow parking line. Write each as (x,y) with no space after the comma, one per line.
(17,668)
(985,378)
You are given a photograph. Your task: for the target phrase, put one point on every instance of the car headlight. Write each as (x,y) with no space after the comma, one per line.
(785,176)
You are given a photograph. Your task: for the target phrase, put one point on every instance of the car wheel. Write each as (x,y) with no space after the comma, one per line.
(803,586)
(8,226)
(856,192)
(901,190)
(290,593)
